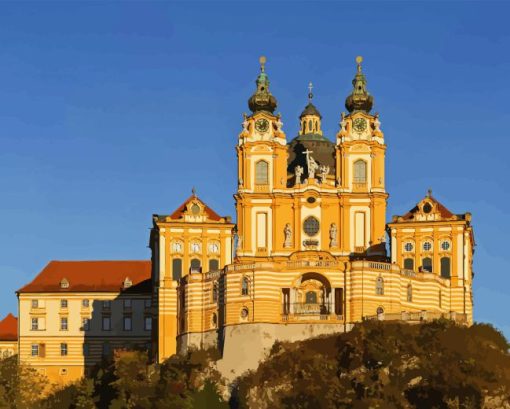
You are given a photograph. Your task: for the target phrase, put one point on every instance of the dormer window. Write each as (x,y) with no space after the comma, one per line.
(127,282)
(64,283)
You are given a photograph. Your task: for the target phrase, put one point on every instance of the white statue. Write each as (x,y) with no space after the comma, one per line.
(279,123)
(311,164)
(288,236)
(245,123)
(377,123)
(298,171)
(323,171)
(332,235)
(343,123)
(339,181)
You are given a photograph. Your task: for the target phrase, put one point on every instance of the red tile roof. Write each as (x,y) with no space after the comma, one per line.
(9,328)
(93,276)
(180,210)
(443,211)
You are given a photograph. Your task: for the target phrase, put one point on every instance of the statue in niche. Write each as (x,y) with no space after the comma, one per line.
(287,231)
(245,122)
(298,171)
(377,123)
(333,231)
(323,171)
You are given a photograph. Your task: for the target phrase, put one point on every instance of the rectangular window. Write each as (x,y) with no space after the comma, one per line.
(107,304)
(63,349)
(127,304)
(85,303)
(35,324)
(35,303)
(106,349)
(286,300)
(107,324)
(147,304)
(63,323)
(176,269)
(261,173)
(148,323)
(35,349)
(85,324)
(63,303)
(339,301)
(86,349)
(127,323)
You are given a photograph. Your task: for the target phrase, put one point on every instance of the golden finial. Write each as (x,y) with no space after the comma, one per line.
(310,95)
(359,60)
(262,61)
(429,192)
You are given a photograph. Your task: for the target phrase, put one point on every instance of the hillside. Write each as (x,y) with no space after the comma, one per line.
(376,365)
(385,365)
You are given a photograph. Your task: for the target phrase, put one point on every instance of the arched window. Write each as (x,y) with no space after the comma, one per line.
(379,286)
(310,125)
(214,265)
(409,293)
(409,264)
(315,126)
(261,173)
(215,292)
(445,267)
(360,171)
(195,265)
(176,269)
(427,264)
(245,286)
(311,297)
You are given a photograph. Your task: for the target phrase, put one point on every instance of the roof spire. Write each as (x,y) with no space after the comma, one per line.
(310,95)
(194,191)
(262,100)
(359,99)
(429,192)
(262,61)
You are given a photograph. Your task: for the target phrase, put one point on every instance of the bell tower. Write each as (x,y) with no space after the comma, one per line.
(262,170)
(360,158)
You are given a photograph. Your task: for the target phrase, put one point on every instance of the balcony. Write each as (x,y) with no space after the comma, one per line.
(419,316)
(261,188)
(308,311)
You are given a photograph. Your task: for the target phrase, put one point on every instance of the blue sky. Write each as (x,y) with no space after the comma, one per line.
(110,112)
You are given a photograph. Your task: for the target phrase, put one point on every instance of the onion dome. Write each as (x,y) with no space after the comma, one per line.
(262,100)
(360,99)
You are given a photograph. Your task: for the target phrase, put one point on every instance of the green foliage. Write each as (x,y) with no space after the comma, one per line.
(385,365)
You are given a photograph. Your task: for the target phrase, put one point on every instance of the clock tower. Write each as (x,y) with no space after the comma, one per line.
(262,163)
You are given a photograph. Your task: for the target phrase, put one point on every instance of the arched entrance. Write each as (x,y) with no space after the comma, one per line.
(312,295)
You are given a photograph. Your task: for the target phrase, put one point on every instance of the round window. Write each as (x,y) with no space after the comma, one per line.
(244,313)
(311,199)
(408,246)
(427,246)
(427,208)
(195,209)
(445,245)
(311,226)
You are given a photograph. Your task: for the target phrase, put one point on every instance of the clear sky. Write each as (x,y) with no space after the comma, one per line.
(110,112)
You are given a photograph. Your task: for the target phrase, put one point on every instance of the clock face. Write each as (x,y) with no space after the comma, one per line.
(262,125)
(359,124)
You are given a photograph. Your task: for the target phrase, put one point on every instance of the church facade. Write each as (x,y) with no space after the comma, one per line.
(309,248)
(310,253)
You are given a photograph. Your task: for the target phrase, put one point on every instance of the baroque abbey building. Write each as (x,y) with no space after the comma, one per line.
(310,253)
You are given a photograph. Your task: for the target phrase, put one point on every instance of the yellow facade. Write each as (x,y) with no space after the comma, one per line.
(307,255)
(310,251)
